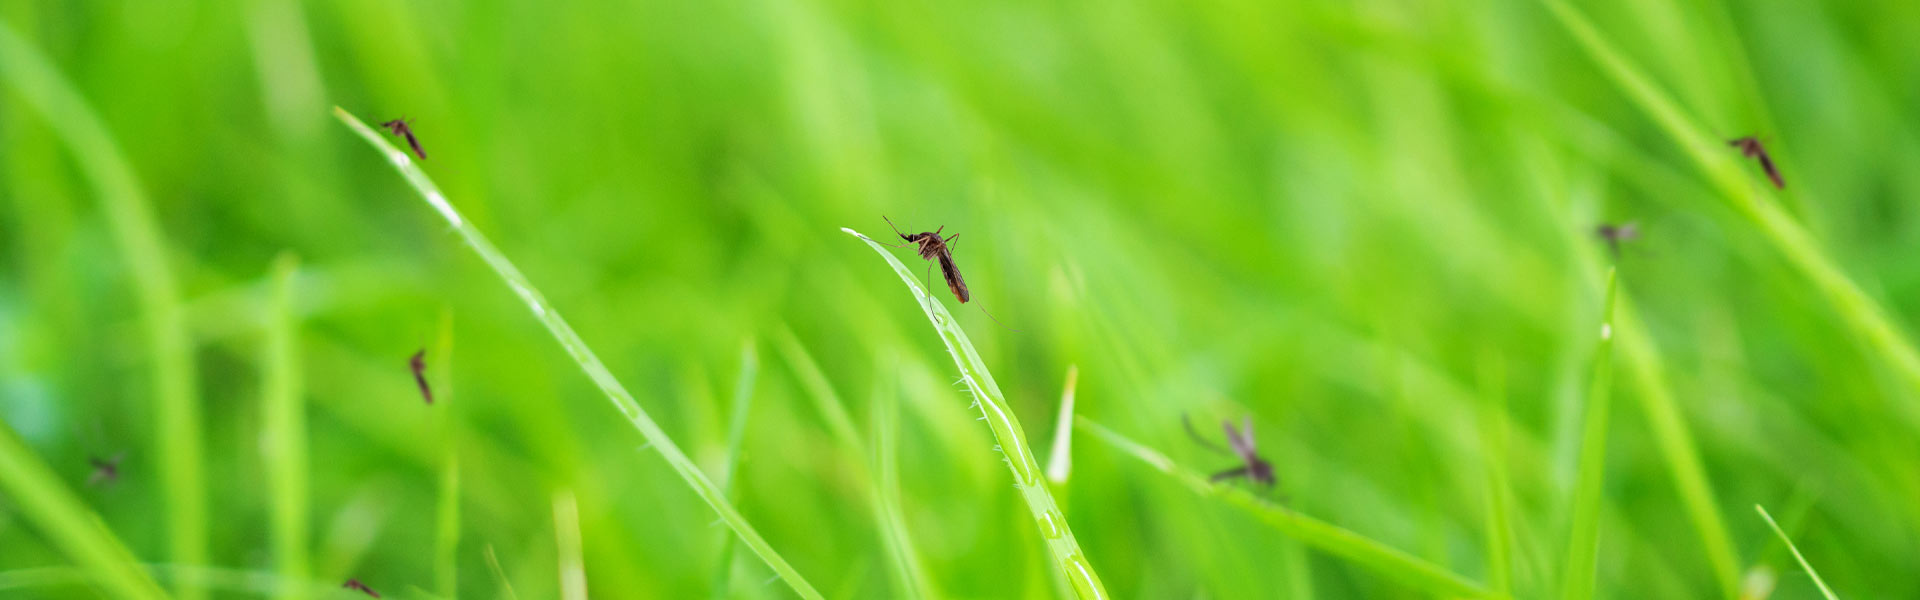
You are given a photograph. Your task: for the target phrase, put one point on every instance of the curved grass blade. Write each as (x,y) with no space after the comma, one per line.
(136,233)
(1824,590)
(65,520)
(283,434)
(1583,544)
(1862,313)
(1006,429)
(584,356)
(1373,555)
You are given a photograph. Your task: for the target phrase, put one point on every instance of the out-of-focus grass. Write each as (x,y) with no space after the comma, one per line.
(1583,537)
(1330,217)
(1815,575)
(283,430)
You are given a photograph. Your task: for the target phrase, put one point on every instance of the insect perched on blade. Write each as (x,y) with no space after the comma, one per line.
(105,470)
(1750,147)
(399,127)
(1615,234)
(933,248)
(1255,468)
(419,365)
(354,584)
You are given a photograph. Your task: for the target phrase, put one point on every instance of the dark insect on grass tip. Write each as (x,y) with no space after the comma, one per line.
(399,127)
(354,584)
(1613,235)
(1254,468)
(932,247)
(1750,147)
(419,365)
(105,470)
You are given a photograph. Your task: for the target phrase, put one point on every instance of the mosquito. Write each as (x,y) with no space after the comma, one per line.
(419,366)
(105,470)
(932,247)
(1256,469)
(1615,234)
(1750,147)
(399,127)
(354,584)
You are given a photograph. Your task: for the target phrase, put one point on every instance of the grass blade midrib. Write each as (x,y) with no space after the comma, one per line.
(582,355)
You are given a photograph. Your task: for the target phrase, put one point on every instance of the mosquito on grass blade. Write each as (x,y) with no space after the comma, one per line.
(1615,234)
(419,365)
(934,248)
(1750,147)
(1255,468)
(399,127)
(354,584)
(105,470)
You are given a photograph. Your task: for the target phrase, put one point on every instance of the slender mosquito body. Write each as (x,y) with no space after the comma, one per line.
(399,127)
(105,470)
(1255,468)
(930,246)
(1613,235)
(1750,147)
(354,584)
(419,366)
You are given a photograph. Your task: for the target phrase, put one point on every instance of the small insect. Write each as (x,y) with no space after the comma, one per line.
(419,365)
(1750,147)
(1256,468)
(354,584)
(934,248)
(105,470)
(399,127)
(1615,234)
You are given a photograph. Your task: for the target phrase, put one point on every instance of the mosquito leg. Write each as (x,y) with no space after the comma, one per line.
(1228,474)
(949,241)
(1196,436)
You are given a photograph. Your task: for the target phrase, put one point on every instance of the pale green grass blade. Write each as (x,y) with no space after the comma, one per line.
(1060,456)
(1738,185)
(902,553)
(500,575)
(446,539)
(1583,545)
(1048,519)
(1499,492)
(136,234)
(818,388)
(283,432)
(736,436)
(584,356)
(240,583)
(1822,583)
(37,494)
(566,534)
(1375,556)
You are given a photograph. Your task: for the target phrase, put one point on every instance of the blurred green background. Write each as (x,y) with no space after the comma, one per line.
(1367,225)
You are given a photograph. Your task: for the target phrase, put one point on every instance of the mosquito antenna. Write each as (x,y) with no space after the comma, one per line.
(1188,423)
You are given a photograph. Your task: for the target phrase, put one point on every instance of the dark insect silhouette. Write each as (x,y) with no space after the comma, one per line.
(399,127)
(105,470)
(1750,147)
(1613,235)
(419,365)
(354,584)
(1256,469)
(932,247)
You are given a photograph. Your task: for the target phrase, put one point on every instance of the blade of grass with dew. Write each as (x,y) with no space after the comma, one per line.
(1862,313)
(446,539)
(736,436)
(1583,545)
(137,235)
(500,575)
(1493,435)
(902,553)
(1824,590)
(1380,558)
(576,348)
(37,494)
(283,431)
(1051,523)
(566,537)
(1060,457)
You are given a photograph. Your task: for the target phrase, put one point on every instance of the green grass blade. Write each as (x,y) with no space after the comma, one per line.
(1721,166)
(1822,583)
(1048,519)
(736,436)
(500,575)
(902,552)
(66,521)
(1060,456)
(818,388)
(136,234)
(284,433)
(1499,493)
(1583,545)
(446,539)
(1360,550)
(583,355)
(566,538)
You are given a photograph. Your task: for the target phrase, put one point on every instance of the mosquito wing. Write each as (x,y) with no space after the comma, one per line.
(1241,440)
(955,282)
